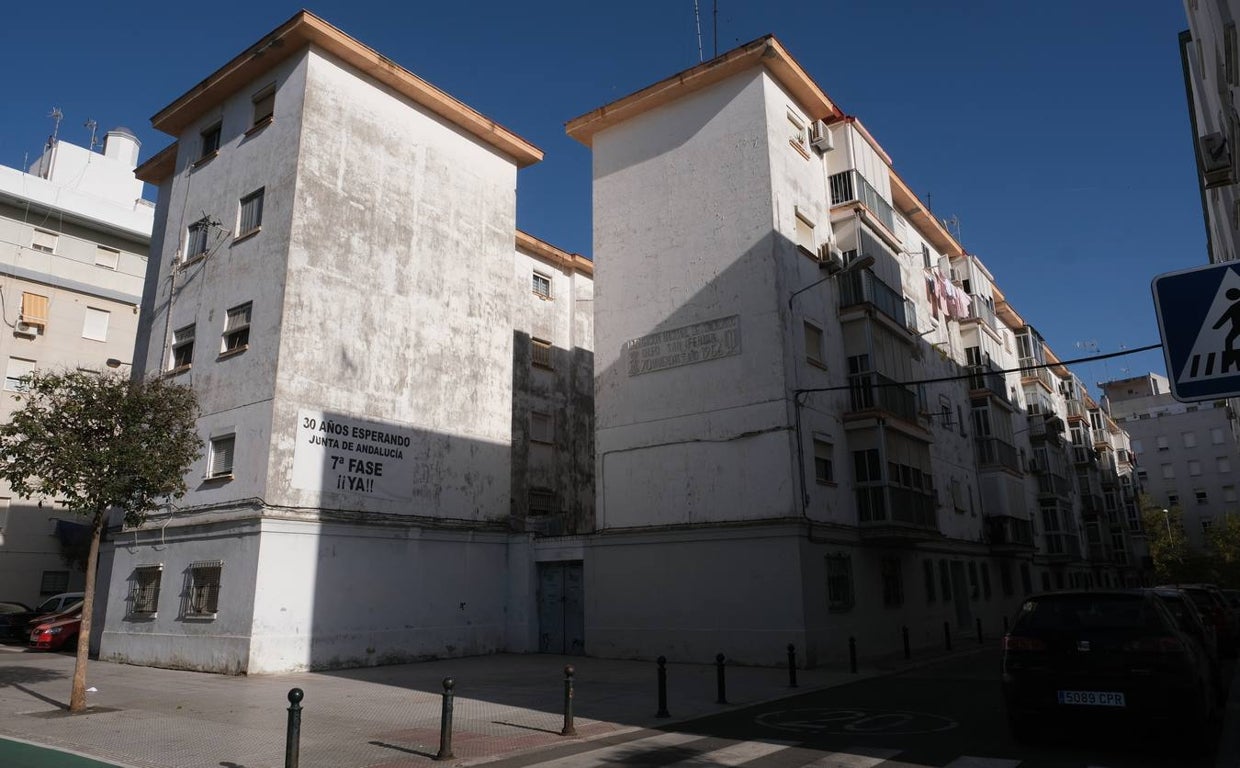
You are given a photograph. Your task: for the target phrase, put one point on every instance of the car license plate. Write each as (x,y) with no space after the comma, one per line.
(1092,698)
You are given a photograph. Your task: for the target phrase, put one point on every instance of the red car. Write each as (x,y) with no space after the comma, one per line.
(57,631)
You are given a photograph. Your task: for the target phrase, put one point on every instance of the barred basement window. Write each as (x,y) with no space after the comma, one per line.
(540,353)
(839,583)
(542,502)
(144,590)
(202,589)
(237,329)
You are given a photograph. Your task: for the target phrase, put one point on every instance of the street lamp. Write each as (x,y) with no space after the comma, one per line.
(112,362)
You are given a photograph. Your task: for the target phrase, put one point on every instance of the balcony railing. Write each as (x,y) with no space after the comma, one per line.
(863,287)
(1054,485)
(886,504)
(986,378)
(993,452)
(1084,455)
(980,310)
(847,186)
(869,391)
(1042,375)
(1062,545)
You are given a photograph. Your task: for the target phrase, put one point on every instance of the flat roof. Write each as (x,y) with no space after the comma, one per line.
(304,30)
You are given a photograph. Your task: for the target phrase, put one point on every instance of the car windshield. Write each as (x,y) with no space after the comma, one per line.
(13,608)
(1101,612)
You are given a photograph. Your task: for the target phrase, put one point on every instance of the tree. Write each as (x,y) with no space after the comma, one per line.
(1223,545)
(97,443)
(1164,530)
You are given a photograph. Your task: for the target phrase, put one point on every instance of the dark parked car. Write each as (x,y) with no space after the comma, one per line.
(1214,608)
(13,620)
(1191,621)
(1103,654)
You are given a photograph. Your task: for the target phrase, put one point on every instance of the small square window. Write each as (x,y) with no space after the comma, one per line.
(542,502)
(220,461)
(202,589)
(210,141)
(95,324)
(44,241)
(1168,472)
(805,235)
(197,236)
(542,428)
(144,590)
(1190,439)
(34,309)
(1222,465)
(824,462)
(540,353)
(54,582)
(264,106)
(1216,436)
(542,285)
(1173,499)
(1229,493)
(1202,497)
(108,258)
(18,371)
(236,329)
(813,344)
(251,213)
(182,348)
(1194,467)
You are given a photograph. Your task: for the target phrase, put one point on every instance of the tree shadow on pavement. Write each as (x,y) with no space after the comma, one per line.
(20,676)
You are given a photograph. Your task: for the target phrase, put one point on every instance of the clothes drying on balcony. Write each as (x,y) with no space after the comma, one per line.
(945,296)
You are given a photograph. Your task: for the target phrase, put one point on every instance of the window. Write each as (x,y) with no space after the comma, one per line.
(45,241)
(220,461)
(824,462)
(251,213)
(1190,439)
(839,583)
(805,234)
(925,256)
(945,581)
(95,326)
(542,285)
(927,567)
(1026,578)
(196,239)
(15,375)
(542,502)
(540,353)
(985,581)
(1173,499)
(54,582)
(1136,446)
(144,590)
(813,344)
(34,309)
(108,258)
(1194,467)
(973,579)
(1142,476)
(1229,493)
(182,348)
(1161,441)
(893,582)
(1229,53)
(237,329)
(1205,526)
(264,106)
(210,141)
(1216,436)
(202,590)
(1222,465)
(1202,497)
(542,428)
(1168,472)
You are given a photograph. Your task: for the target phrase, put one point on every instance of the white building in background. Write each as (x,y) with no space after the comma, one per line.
(1186,452)
(1210,55)
(394,381)
(767,284)
(74,234)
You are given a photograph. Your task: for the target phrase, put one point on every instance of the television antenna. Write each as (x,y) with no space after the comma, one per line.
(93,126)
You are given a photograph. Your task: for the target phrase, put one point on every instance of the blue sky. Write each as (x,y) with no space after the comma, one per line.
(1056,131)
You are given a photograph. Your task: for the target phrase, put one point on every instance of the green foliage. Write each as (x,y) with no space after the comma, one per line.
(1176,562)
(94,442)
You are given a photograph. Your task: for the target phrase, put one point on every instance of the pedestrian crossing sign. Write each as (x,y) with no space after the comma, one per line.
(1199,318)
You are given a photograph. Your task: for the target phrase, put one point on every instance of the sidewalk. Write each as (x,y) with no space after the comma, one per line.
(381,717)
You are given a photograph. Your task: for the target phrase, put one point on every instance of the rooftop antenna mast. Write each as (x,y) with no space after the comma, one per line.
(697,22)
(952,224)
(46,160)
(93,126)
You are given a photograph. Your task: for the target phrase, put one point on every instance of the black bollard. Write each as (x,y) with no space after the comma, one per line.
(908,653)
(292,738)
(852,654)
(1005,625)
(662,662)
(947,634)
(720,683)
(792,666)
(569,730)
(979,632)
(445,722)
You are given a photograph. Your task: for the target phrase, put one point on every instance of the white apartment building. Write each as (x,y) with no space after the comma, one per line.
(778,457)
(339,276)
(1210,55)
(74,235)
(1186,452)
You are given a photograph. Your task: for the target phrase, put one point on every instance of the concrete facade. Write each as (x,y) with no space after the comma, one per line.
(74,236)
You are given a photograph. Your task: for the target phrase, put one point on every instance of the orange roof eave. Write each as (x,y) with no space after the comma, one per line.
(541,248)
(920,217)
(306,29)
(765,51)
(159,166)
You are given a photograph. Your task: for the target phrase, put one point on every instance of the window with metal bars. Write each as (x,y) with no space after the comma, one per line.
(144,590)
(202,589)
(540,353)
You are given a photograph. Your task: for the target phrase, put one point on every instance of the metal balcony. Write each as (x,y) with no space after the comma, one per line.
(848,186)
(889,512)
(864,287)
(1040,375)
(876,392)
(984,378)
(1062,546)
(1076,409)
(995,453)
(981,311)
(1054,485)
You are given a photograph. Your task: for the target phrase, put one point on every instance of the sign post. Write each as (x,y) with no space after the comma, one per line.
(1199,319)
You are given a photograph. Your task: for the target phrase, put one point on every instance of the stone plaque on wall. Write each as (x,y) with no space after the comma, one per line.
(690,344)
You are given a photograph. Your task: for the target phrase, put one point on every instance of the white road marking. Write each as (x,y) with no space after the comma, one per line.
(738,754)
(855,757)
(610,756)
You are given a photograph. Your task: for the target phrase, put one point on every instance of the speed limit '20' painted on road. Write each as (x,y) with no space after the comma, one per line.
(855,722)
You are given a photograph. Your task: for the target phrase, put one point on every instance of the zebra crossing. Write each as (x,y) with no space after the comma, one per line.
(652,748)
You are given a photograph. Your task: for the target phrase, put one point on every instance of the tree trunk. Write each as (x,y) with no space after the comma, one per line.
(77,698)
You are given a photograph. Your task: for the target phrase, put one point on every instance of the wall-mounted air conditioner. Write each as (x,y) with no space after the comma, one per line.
(26,329)
(820,138)
(831,258)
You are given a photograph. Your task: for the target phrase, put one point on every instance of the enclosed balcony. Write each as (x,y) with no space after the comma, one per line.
(1007,534)
(864,287)
(981,311)
(1076,409)
(993,453)
(1031,373)
(1062,547)
(875,392)
(1050,484)
(849,186)
(986,379)
(891,512)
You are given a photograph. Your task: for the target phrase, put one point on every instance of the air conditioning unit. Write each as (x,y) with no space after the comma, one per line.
(26,329)
(1215,159)
(820,138)
(831,258)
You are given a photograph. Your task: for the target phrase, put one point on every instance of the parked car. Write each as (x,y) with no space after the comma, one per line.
(1233,597)
(58,603)
(13,619)
(1214,608)
(1104,654)
(57,631)
(1191,621)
